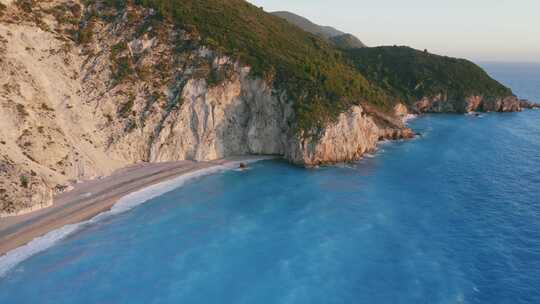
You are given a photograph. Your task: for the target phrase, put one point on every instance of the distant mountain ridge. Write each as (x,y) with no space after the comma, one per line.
(347,41)
(339,38)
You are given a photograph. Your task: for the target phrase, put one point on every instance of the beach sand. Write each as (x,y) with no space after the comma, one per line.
(91,198)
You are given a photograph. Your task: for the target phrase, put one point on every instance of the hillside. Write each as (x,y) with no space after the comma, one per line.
(413,75)
(339,38)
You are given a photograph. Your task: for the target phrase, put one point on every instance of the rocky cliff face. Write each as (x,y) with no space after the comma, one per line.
(354,134)
(526,104)
(84,92)
(442,104)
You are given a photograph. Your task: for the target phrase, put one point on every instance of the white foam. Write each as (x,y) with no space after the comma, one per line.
(128,202)
(346,166)
(17,255)
(409,117)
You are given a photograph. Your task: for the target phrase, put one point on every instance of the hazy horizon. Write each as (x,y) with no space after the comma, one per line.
(483,31)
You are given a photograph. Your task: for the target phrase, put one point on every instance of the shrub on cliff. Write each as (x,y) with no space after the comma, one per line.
(24,181)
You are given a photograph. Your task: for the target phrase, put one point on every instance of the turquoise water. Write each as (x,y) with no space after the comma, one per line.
(451,217)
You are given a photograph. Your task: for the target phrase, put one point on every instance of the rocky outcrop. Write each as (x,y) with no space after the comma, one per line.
(355,133)
(442,104)
(506,104)
(348,139)
(526,104)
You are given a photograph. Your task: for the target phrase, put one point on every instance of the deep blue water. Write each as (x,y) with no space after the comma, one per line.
(451,217)
(523,78)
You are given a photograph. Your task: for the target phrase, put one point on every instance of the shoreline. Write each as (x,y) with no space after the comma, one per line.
(90,199)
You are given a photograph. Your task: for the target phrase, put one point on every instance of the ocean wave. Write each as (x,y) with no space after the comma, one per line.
(474,114)
(126,203)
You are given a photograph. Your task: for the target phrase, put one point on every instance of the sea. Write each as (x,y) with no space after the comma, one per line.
(450,217)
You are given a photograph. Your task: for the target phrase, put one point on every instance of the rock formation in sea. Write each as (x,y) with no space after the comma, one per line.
(526,104)
(442,104)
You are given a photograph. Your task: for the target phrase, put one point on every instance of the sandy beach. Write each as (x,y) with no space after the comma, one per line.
(91,198)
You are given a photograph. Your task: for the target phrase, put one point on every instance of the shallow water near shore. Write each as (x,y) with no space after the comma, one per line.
(450,217)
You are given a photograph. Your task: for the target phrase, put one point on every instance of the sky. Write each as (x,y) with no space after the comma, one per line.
(480,30)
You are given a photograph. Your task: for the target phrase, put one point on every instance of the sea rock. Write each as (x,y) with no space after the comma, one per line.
(526,104)
(442,104)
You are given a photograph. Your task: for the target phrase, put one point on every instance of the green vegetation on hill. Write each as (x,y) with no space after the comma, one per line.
(313,73)
(411,74)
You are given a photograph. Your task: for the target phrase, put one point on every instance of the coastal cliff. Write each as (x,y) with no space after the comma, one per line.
(355,133)
(90,87)
(83,96)
(443,104)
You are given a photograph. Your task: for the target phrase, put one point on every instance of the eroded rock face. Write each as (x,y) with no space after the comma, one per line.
(441,104)
(48,135)
(354,134)
(507,104)
(348,139)
(21,191)
(237,118)
(401,111)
